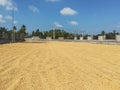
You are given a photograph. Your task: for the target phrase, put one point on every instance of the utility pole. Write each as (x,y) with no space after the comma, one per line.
(82,33)
(13,31)
(75,34)
(54,33)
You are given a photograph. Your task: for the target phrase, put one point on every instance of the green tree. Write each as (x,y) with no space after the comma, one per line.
(2,30)
(9,34)
(22,32)
(22,29)
(33,33)
(114,32)
(103,32)
(37,33)
(14,28)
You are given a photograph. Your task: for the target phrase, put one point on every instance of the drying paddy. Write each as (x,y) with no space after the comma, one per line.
(59,66)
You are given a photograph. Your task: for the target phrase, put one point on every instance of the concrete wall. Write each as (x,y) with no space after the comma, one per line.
(75,38)
(60,38)
(28,39)
(89,38)
(35,38)
(118,38)
(81,38)
(48,38)
(102,38)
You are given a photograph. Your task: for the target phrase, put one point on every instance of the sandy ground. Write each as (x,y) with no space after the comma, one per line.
(59,66)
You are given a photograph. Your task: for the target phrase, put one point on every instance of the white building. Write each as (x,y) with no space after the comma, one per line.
(102,38)
(60,38)
(118,38)
(75,38)
(89,38)
(48,38)
(81,38)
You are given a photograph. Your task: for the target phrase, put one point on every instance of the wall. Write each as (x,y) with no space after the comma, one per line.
(117,37)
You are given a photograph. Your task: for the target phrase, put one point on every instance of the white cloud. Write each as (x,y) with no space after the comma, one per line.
(33,8)
(1,19)
(15,22)
(68,11)
(52,0)
(8,17)
(56,24)
(73,23)
(8,4)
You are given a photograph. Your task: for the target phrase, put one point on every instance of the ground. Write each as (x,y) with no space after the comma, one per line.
(59,66)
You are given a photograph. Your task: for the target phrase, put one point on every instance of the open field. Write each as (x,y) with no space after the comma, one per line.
(59,66)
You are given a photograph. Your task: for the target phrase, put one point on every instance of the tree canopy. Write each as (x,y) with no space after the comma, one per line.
(21,33)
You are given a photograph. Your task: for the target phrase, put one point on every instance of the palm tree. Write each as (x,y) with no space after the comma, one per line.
(103,32)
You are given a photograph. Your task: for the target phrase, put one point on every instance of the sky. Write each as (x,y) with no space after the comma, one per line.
(89,16)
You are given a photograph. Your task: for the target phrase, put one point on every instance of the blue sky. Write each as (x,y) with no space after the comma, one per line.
(91,16)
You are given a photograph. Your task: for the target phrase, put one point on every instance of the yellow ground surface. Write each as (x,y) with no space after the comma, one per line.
(59,66)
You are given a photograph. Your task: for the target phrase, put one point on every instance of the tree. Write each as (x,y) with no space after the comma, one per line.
(103,32)
(22,32)
(110,35)
(14,28)
(33,33)
(114,32)
(9,34)
(2,30)
(23,29)
(37,33)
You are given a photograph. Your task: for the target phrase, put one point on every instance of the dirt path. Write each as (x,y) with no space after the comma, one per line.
(59,66)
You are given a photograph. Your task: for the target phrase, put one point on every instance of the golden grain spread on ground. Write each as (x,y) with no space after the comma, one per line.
(59,66)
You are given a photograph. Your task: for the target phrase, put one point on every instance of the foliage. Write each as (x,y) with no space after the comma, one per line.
(21,33)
